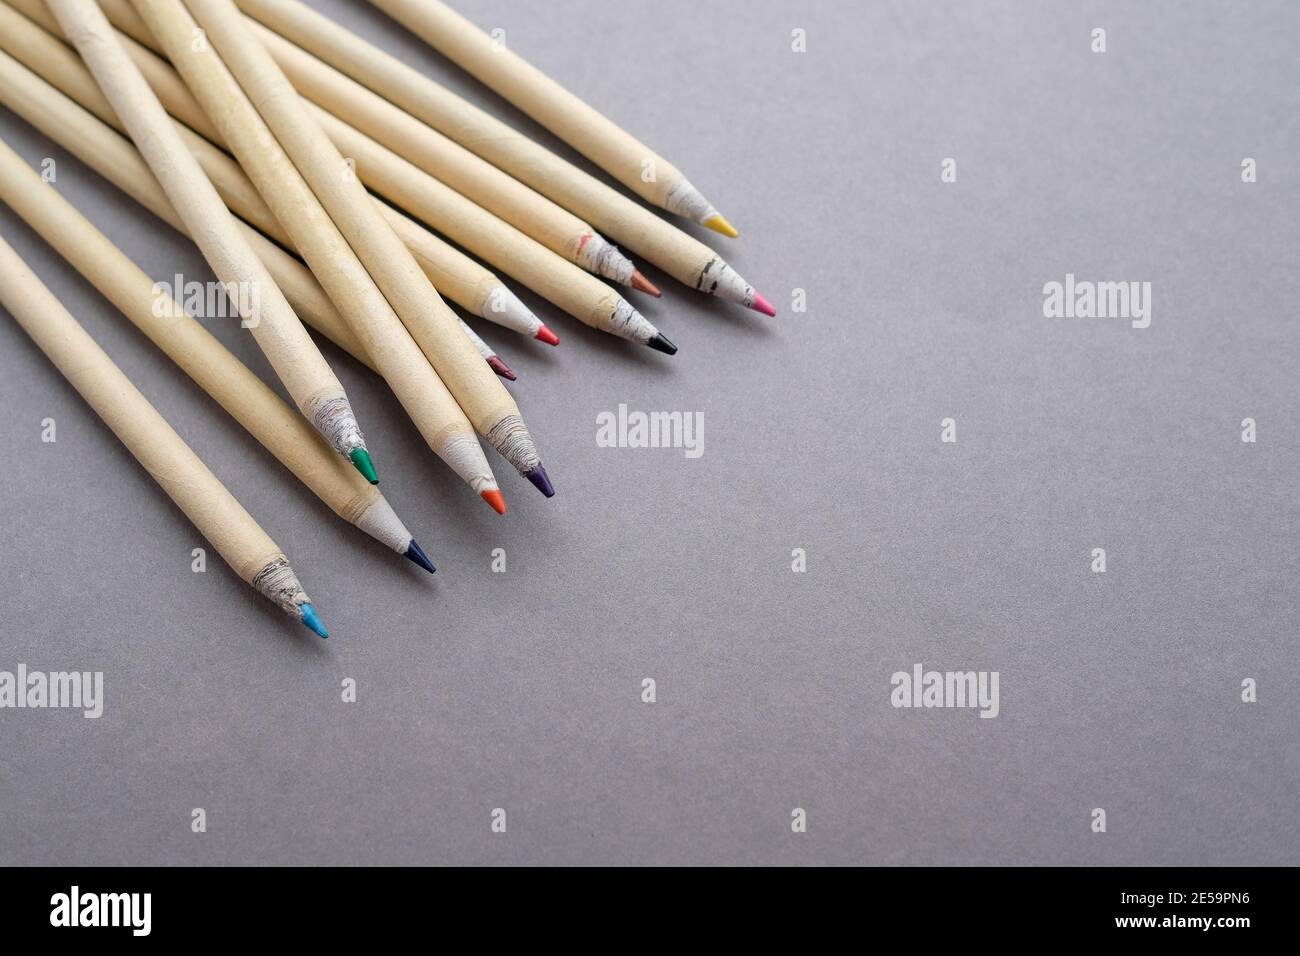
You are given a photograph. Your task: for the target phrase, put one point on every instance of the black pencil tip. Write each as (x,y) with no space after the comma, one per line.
(661,344)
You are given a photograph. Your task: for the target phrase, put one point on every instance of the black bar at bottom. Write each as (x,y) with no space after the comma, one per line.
(333,906)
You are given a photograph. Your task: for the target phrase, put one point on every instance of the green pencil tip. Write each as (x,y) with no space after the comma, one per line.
(312,620)
(361,459)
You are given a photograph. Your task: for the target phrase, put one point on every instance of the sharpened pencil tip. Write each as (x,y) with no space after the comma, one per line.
(496,500)
(547,336)
(416,554)
(361,459)
(661,344)
(501,368)
(762,305)
(541,481)
(718,223)
(312,619)
(642,284)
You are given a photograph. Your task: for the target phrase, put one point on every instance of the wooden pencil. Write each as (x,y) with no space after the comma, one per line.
(473,177)
(117,160)
(222,520)
(619,218)
(559,281)
(454,274)
(480,393)
(279,333)
(280,429)
(313,234)
(489,354)
(114,158)
(593,134)
(471,286)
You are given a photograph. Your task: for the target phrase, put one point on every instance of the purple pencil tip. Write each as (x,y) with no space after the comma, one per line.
(541,481)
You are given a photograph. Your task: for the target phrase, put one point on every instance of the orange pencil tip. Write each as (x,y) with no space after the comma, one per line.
(642,284)
(495,499)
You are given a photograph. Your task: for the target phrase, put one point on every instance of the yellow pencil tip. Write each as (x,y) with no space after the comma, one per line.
(718,223)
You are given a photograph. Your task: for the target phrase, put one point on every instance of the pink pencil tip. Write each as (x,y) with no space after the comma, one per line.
(762,305)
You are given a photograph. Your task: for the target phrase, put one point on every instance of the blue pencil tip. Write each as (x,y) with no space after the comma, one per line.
(312,619)
(416,554)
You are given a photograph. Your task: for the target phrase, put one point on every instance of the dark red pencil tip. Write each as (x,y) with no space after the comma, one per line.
(547,336)
(501,368)
(642,284)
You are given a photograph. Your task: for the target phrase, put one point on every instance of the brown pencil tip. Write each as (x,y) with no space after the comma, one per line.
(642,284)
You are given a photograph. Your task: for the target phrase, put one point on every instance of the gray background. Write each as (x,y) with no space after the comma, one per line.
(522,690)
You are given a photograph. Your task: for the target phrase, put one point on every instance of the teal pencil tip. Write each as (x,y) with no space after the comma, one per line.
(312,619)
(361,459)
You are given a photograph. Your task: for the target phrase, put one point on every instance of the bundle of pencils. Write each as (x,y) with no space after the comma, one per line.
(230,120)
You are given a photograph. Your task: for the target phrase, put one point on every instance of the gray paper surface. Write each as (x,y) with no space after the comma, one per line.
(522,691)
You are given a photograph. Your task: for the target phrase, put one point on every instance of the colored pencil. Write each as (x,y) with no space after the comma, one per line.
(280,429)
(473,177)
(117,160)
(590,132)
(617,217)
(454,274)
(313,234)
(466,282)
(279,333)
(114,158)
(222,520)
(480,393)
(578,293)
(489,354)
(470,285)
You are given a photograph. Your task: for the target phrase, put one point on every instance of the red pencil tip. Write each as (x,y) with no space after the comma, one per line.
(762,305)
(501,368)
(642,284)
(547,336)
(497,502)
